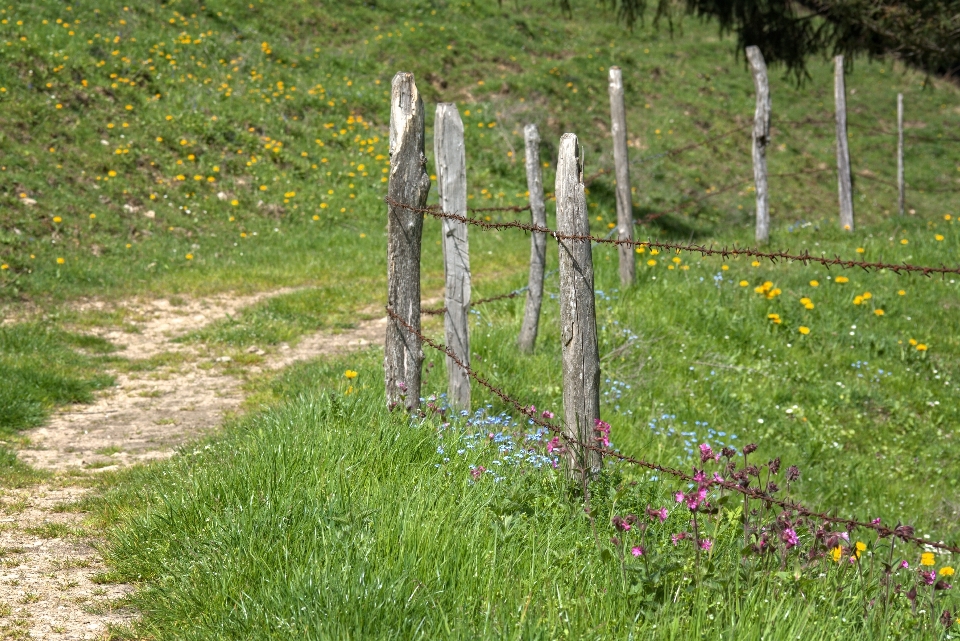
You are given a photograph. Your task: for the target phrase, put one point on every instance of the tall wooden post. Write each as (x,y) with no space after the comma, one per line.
(578,322)
(409,184)
(761,136)
(538,241)
(901,186)
(844,178)
(452,186)
(618,129)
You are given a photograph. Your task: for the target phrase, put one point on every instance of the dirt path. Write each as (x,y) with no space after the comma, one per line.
(48,564)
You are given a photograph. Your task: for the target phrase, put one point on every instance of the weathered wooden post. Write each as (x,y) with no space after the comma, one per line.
(538,241)
(578,322)
(621,162)
(761,136)
(409,185)
(901,186)
(451,163)
(844,179)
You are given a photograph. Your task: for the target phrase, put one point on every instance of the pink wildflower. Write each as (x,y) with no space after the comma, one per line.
(699,476)
(660,514)
(928,577)
(679,497)
(706,453)
(706,544)
(477,471)
(789,537)
(717,478)
(604,429)
(676,538)
(637,550)
(875,521)
(547,414)
(904,565)
(553,444)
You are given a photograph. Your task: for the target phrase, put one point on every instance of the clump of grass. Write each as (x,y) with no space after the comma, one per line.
(381,527)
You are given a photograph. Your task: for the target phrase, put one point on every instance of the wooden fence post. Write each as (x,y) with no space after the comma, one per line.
(538,241)
(451,162)
(761,136)
(901,186)
(578,321)
(844,178)
(409,184)
(618,130)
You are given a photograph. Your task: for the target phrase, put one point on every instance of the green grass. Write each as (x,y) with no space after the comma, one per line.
(43,368)
(323,517)
(327,517)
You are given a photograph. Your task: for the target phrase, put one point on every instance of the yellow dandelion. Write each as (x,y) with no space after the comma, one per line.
(724,267)
(921,347)
(904,241)
(946,571)
(902,292)
(860,250)
(836,553)
(350,374)
(743,283)
(189,256)
(804,330)
(640,250)
(60,261)
(912,341)
(57,219)
(755,263)
(842,279)
(676,260)
(939,236)
(927,559)
(651,262)
(860,548)
(814,283)
(878,312)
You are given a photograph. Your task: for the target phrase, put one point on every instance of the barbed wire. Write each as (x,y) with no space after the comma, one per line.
(724,252)
(902,532)
(436,311)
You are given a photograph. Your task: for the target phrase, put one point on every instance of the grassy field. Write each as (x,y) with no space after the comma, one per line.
(187,148)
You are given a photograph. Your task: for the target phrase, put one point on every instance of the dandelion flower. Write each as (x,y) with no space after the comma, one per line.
(912,341)
(755,263)
(640,250)
(189,256)
(946,571)
(857,300)
(350,374)
(743,283)
(57,219)
(860,250)
(939,236)
(724,267)
(860,548)
(904,241)
(927,559)
(804,330)
(814,283)
(836,553)
(921,347)
(651,262)
(902,293)
(878,312)
(60,261)
(842,279)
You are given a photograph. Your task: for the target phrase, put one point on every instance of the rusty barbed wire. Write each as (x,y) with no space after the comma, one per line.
(436,311)
(724,252)
(902,532)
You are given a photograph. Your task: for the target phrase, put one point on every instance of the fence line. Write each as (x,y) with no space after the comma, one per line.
(902,532)
(436,311)
(703,250)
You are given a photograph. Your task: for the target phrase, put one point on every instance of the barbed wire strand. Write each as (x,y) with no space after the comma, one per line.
(902,532)
(435,311)
(724,252)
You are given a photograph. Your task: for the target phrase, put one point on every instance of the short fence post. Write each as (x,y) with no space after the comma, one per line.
(901,186)
(451,162)
(618,129)
(761,136)
(844,179)
(578,322)
(409,185)
(538,241)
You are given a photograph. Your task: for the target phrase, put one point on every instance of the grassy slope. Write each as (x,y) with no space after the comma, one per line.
(869,447)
